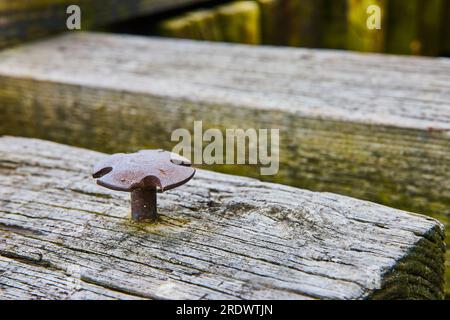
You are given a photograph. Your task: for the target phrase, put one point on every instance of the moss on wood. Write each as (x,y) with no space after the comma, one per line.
(414,275)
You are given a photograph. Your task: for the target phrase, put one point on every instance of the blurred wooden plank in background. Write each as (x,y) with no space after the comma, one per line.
(407,27)
(28,20)
(287,22)
(240,22)
(445,29)
(414,27)
(298,22)
(176,27)
(205,25)
(269,12)
(311,23)
(334,29)
(430,22)
(403,26)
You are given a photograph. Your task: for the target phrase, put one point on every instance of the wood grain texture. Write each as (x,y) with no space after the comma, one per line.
(219,236)
(368,126)
(28,20)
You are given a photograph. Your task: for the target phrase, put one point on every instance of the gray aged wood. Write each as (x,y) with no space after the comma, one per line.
(370,126)
(27,20)
(374,127)
(219,236)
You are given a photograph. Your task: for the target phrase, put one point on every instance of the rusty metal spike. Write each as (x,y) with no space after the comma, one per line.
(143,174)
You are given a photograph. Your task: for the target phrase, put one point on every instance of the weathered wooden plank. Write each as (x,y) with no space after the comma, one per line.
(219,236)
(369,126)
(315,97)
(28,279)
(25,20)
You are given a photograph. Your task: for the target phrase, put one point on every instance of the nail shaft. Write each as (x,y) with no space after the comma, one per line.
(143,204)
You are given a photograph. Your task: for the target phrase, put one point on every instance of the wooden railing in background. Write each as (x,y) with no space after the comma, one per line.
(27,20)
(407,26)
